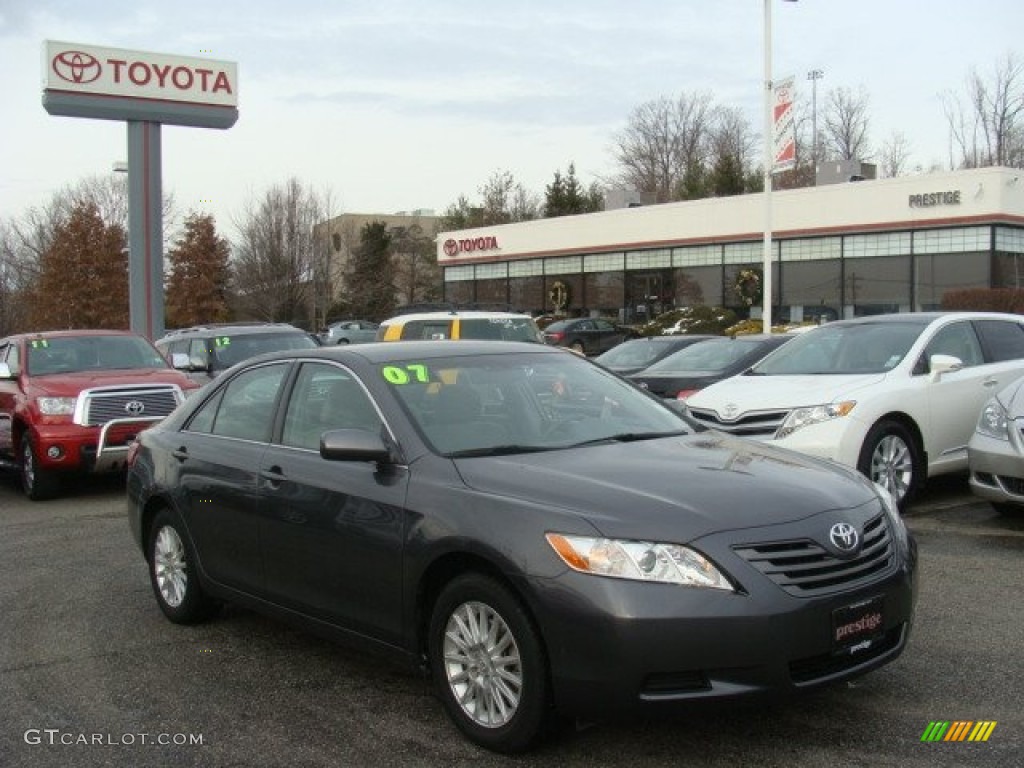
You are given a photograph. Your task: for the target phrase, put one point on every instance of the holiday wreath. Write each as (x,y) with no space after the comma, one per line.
(748,286)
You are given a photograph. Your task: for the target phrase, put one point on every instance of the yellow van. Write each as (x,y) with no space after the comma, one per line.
(469,324)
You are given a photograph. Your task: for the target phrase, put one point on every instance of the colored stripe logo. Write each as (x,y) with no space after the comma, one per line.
(958,730)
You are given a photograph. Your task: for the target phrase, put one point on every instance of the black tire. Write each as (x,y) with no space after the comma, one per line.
(891,457)
(342,341)
(172,572)
(577,346)
(464,674)
(38,484)
(1007,510)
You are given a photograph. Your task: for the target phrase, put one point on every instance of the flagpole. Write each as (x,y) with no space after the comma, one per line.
(766,266)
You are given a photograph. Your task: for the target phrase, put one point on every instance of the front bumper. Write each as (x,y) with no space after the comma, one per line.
(996,469)
(621,646)
(70,447)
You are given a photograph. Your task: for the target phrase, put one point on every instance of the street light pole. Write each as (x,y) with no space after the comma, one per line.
(814,76)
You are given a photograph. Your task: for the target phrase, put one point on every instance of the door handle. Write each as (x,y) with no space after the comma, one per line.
(989,383)
(181,454)
(274,476)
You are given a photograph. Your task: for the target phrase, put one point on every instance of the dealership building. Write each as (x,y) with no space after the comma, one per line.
(840,250)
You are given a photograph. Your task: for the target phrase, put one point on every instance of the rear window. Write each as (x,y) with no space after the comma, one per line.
(1003,340)
(499,328)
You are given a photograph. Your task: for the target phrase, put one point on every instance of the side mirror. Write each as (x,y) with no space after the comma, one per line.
(940,364)
(353,445)
(179,360)
(6,372)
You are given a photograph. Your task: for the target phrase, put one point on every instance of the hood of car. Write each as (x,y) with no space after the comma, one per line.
(70,384)
(744,393)
(673,489)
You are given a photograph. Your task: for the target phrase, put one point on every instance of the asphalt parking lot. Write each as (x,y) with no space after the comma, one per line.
(91,674)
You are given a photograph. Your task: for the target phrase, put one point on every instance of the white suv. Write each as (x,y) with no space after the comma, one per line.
(896,396)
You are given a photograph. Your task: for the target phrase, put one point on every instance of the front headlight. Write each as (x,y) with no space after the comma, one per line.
(56,406)
(639,560)
(814,414)
(993,420)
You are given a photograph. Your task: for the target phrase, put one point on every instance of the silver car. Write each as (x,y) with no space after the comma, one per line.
(348,332)
(995,453)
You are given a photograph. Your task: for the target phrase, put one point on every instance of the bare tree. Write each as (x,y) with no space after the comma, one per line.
(732,153)
(846,124)
(987,127)
(664,140)
(503,201)
(894,155)
(417,275)
(278,253)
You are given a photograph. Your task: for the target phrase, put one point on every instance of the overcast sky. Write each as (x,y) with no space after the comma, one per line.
(394,105)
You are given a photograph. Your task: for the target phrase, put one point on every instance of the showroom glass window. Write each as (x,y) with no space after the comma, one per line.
(949,260)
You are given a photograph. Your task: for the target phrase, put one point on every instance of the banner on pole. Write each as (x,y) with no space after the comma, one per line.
(784,125)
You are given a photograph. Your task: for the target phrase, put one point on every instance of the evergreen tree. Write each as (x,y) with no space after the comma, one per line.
(197,287)
(83,280)
(565,196)
(371,274)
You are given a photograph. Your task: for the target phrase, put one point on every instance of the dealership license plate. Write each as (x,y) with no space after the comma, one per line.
(858,624)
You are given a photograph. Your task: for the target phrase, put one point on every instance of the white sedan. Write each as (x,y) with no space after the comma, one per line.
(896,396)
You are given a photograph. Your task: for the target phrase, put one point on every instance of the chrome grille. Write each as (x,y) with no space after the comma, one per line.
(99,406)
(804,568)
(750,424)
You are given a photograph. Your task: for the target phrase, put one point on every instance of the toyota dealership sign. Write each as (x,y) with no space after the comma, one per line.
(114,83)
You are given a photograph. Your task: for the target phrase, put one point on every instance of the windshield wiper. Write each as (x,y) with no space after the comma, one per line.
(501,450)
(628,437)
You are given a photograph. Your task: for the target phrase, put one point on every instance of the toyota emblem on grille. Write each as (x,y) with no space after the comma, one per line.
(135,407)
(731,410)
(844,537)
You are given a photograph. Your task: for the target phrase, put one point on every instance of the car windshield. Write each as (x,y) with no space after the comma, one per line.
(228,350)
(517,403)
(498,328)
(872,347)
(69,354)
(713,355)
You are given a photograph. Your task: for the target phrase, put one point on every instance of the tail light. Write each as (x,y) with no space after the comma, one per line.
(685,393)
(556,336)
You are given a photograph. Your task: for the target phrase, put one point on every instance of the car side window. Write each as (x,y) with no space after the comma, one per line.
(247,405)
(958,340)
(1003,339)
(427,329)
(326,397)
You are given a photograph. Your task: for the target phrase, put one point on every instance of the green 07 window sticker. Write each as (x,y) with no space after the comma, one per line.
(413,372)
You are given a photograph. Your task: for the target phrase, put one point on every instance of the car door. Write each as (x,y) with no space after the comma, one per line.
(9,396)
(332,532)
(606,335)
(219,457)
(957,397)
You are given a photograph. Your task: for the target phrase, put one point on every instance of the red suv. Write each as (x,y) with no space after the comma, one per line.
(73,401)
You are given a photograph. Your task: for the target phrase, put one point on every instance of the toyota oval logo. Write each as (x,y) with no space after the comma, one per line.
(451,247)
(731,411)
(135,407)
(844,537)
(76,67)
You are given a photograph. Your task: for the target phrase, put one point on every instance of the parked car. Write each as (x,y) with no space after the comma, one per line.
(349,332)
(692,368)
(579,553)
(589,335)
(995,453)
(459,325)
(71,401)
(206,351)
(633,355)
(896,396)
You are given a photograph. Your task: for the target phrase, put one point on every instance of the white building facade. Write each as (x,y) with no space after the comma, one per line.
(841,250)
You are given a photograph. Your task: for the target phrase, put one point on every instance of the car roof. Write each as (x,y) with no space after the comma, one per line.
(376,352)
(71,333)
(922,318)
(229,329)
(442,315)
